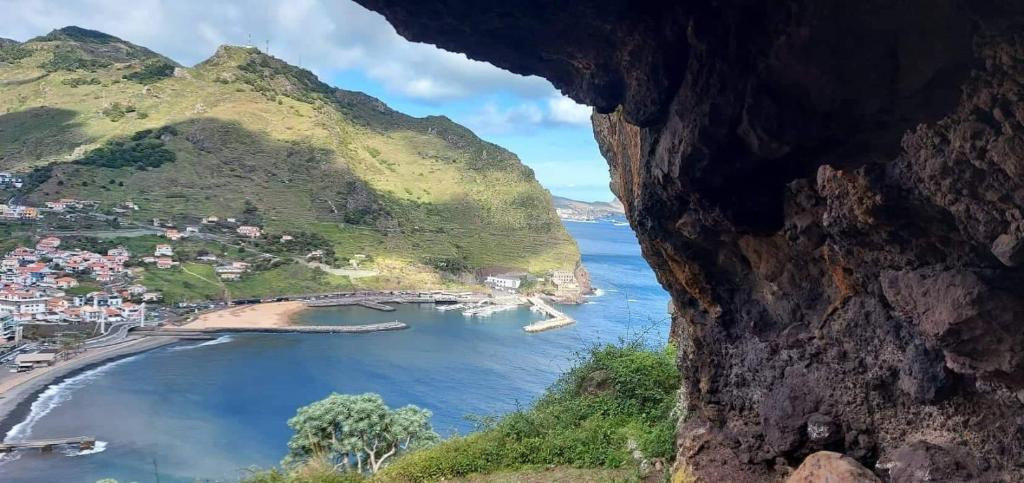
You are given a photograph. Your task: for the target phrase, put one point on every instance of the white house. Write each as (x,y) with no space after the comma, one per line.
(163,251)
(249,231)
(504,281)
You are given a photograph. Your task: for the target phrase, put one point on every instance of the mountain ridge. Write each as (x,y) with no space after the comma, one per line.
(251,129)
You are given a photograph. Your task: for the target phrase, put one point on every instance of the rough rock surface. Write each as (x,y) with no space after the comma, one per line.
(832,193)
(829,467)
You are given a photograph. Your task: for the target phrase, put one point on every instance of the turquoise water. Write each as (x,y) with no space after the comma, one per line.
(208,411)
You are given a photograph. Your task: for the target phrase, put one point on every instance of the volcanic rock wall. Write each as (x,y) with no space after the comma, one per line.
(832,191)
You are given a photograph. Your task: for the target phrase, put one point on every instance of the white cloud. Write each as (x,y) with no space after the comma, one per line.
(528,116)
(327,35)
(566,111)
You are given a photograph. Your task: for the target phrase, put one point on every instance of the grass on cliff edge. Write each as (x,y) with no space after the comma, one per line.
(589,419)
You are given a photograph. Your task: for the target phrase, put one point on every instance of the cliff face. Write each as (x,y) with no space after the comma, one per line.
(832,193)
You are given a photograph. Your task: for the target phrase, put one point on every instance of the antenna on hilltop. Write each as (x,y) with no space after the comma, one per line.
(248,43)
(267,50)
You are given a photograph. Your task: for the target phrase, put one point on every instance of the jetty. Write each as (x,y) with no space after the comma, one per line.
(557,319)
(46,445)
(292,329)
(379,301)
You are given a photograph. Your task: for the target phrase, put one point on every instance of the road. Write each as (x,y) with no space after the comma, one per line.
(116,334)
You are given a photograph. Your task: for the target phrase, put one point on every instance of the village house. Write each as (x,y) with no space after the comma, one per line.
(9,179)
(8,327)
(209,220)
(507,282)
(47,244)
(563,278)
(23,302)
(135,290)
(163,251)
(249,231)
(66,282)
(152,297)
(119,252)
(172,234)
(286,238)
(165,262)
(57,206)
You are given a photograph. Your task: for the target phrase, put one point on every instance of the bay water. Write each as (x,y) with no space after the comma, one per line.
(211,410)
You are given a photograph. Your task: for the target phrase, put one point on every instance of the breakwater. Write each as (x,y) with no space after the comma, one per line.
(292,329)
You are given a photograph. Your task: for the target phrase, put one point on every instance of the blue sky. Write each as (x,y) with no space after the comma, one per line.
(353,48)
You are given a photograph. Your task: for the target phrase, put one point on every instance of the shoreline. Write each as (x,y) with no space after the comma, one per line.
(17,396)
(250,316)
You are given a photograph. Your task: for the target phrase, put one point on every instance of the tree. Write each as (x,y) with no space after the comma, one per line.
(359,429)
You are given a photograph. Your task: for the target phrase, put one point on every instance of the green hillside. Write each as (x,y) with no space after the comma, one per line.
(99,118)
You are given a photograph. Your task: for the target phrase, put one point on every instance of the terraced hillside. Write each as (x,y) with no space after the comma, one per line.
(99,118)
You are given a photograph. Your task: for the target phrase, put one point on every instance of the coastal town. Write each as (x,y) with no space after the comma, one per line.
(62,298)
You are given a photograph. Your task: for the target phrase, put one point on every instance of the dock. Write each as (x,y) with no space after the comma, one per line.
(46,445)
(370,304)
(293,329)
(556,318)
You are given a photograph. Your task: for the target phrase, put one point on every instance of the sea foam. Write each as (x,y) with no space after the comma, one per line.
(55,395)
(224,339)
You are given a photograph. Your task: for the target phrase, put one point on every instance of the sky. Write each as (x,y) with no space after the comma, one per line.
(353,48)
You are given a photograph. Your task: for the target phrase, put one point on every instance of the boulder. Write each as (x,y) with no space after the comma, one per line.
(829,467)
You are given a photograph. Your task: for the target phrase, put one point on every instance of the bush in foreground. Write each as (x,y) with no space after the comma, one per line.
(616,398)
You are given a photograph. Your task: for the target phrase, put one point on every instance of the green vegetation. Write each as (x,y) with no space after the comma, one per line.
(116,111)
(357,433)
(191,282)
(66,58)
(80,81)
(592,418)
(269,144)
(588,419)
(12,51)
(152,71)
(84,287)
(145,149)
(289,278)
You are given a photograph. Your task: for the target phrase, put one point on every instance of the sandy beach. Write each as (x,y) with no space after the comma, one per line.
(273,314)
(15,388)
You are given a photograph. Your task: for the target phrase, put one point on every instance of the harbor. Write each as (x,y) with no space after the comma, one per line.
(185,332)
(556,318)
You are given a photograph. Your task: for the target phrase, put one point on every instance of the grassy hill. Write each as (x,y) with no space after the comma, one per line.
(100,118)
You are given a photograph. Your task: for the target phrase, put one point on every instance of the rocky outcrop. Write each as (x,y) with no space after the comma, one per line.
(826,466)
(832,193)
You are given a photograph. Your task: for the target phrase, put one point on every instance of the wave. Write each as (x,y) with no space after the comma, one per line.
(598,292)
(55,395)
(224,339)
(100,447)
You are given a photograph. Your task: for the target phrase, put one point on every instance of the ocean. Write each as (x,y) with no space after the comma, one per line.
(210,411)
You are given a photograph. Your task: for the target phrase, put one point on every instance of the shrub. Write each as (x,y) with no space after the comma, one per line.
(68,58)
(143,150)
(152,71)
(12,52)
(80,81)
(116,111)
(587,419)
